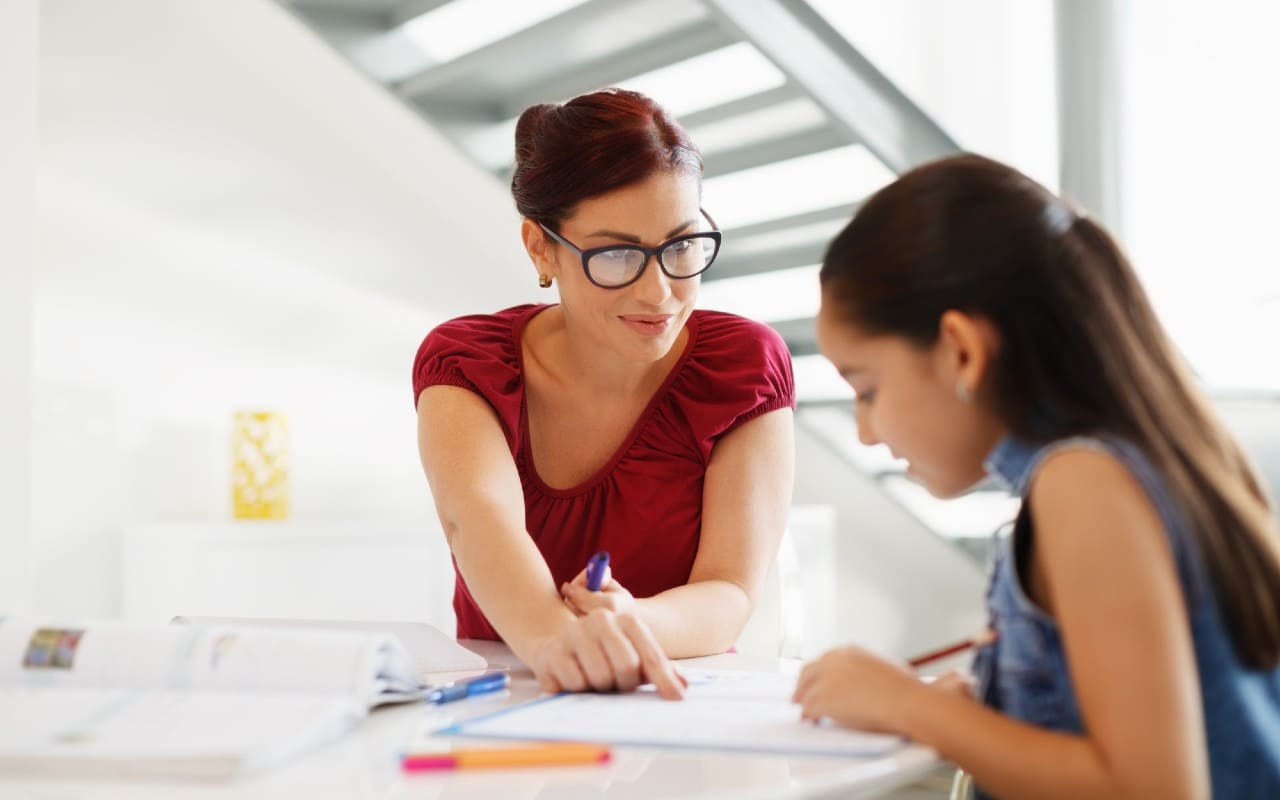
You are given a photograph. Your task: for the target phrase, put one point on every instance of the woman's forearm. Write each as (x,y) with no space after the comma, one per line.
(697,619)
(507,576)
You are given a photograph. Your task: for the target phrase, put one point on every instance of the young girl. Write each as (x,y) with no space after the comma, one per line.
(986,327)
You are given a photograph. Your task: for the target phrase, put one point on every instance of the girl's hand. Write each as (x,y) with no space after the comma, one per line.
(957,682)
(605,651)
(856,689)
(612,596)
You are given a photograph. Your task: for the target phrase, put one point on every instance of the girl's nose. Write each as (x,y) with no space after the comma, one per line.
(866,434)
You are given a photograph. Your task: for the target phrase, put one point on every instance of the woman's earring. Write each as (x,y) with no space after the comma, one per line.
(544,281)
(962,393)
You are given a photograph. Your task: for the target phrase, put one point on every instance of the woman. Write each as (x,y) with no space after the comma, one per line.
(620,419)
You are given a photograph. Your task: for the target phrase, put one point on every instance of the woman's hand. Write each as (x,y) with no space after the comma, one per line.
(857,689)
(612,596)
(604,650)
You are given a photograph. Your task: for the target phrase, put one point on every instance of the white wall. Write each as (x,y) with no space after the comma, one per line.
(18,70)
(230,217)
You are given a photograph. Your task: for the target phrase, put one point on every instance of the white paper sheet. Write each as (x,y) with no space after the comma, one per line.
(203,735)
(722,710)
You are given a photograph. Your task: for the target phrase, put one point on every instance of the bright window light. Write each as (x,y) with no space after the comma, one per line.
(711,79)
(983,69)
(461,26)
(820,180)
(1202,235)
(767,297)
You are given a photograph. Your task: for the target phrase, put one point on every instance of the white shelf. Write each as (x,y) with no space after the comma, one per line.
(375,569)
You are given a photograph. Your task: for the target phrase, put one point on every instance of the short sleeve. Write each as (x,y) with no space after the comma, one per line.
(739,370)
(477,353)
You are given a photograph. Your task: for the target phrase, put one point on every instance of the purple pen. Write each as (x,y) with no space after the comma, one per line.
(595,570)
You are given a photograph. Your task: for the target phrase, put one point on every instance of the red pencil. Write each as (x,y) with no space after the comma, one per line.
(984,638)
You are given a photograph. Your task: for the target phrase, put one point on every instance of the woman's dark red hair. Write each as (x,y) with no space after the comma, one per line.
(591,145)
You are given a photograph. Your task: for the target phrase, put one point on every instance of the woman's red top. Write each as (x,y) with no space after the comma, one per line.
(645,505)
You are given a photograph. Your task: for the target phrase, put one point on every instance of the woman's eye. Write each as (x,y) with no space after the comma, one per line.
(681,247)
(863,397)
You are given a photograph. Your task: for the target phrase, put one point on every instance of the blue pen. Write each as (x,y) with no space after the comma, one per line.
(485,684)
(595,570)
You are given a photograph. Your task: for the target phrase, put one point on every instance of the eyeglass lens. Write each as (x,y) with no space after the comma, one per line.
(681,259)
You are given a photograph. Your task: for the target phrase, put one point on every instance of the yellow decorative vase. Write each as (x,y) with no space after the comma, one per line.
(260,465)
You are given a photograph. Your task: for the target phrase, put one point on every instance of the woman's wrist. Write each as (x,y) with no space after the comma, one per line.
(535,638)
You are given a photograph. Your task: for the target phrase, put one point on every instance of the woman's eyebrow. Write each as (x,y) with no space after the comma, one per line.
(631,237)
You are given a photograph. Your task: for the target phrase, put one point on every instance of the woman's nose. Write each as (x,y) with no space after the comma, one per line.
(654,287)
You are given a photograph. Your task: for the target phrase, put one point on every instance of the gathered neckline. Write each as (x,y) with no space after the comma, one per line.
(517,335)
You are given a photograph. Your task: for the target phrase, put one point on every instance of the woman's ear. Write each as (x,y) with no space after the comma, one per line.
(539,247)
(967,345)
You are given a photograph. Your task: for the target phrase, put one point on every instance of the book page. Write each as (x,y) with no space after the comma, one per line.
(113,655)
(722,710)
(171,734)
(430,649)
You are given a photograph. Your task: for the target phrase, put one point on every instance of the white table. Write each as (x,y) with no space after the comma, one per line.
(365,764)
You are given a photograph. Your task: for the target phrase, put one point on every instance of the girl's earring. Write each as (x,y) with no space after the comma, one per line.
(544,281)
(962,393)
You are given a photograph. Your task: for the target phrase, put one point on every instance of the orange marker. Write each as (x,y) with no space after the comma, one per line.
(537,755)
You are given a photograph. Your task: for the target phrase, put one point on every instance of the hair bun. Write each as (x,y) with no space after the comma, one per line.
(591,145)
(528,127)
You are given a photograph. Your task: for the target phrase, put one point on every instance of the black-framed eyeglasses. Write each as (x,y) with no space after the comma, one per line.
(618,265)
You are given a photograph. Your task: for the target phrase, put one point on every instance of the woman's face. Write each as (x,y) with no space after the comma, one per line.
(639,322)
(906,399)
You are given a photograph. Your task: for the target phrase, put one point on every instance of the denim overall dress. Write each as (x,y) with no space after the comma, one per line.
(1024,673)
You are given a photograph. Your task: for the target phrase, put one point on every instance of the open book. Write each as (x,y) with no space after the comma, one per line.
(430,651)
(199,700)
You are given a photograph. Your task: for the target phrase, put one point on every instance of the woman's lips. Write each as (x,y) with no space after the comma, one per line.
(647,324)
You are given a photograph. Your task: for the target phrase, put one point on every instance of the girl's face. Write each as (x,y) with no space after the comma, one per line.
(640,322)
(907,397)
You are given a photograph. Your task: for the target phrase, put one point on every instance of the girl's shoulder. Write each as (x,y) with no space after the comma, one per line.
(1092,481)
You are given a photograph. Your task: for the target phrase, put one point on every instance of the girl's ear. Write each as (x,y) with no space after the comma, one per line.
(967,345)
(539,246)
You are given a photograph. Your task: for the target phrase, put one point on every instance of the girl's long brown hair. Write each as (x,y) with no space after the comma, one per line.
(1082,351)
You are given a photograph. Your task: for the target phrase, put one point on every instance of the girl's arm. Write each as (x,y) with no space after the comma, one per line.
(1103,569)
(480,502)
(745,497)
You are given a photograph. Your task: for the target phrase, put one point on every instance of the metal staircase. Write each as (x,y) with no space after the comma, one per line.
(779,85)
